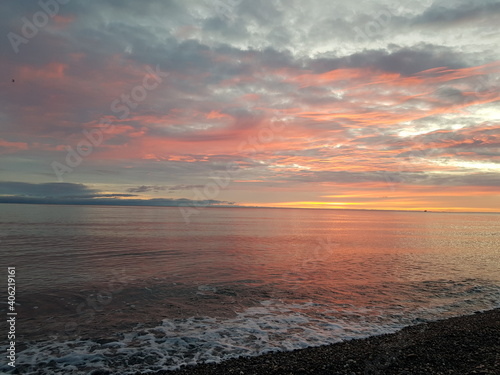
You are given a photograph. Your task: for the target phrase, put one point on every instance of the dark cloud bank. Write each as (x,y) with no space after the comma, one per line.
(79,194)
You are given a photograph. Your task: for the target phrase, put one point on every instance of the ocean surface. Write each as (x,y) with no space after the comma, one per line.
(138,288)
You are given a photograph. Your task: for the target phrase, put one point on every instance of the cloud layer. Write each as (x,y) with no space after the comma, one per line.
(369,104)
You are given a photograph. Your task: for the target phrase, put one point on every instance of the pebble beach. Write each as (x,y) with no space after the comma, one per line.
(462,345)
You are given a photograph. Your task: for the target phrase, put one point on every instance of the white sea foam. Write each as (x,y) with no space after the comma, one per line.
(272,326)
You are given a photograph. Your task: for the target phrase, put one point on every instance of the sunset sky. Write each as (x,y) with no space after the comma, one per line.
(283,103)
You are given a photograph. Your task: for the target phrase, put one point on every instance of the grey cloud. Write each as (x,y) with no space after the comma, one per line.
(392,177)
(185,187)
(53,190)
(408,61)
(91,196)
(44,189)
(160,202)
(79,194)
(444,15)
(156,188)
(469,179)
(144,189)
(449,95)
(398,59)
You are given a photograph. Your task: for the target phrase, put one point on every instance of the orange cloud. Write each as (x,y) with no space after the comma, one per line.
(7,147)
(62,22)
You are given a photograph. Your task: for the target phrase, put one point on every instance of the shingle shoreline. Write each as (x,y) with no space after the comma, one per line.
(462,345)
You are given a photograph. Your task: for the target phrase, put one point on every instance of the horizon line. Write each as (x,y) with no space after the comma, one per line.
(117,204)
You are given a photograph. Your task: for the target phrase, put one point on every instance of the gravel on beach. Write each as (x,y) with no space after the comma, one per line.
(462,345)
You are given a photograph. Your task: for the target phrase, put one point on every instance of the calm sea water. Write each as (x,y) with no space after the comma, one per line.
(136,288)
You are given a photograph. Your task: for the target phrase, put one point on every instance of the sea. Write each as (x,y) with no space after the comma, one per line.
(129,289)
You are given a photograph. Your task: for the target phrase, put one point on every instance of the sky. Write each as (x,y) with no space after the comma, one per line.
(276,103)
